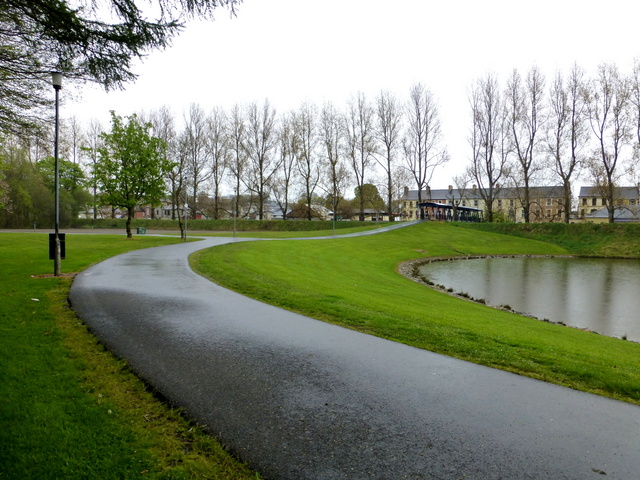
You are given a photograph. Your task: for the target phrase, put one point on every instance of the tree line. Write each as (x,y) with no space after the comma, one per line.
(524,132)
(298,159)
(530,131)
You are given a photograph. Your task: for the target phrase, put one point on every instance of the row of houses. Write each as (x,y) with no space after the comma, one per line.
(546,204)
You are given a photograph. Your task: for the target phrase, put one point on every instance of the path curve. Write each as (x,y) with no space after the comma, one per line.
(301,399)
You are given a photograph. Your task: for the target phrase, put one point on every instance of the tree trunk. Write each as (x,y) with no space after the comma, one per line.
(567,202)
(129,215)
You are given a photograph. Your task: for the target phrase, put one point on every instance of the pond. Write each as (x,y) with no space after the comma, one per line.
(602,295)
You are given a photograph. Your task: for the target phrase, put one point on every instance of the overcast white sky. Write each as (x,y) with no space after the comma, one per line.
(291,51)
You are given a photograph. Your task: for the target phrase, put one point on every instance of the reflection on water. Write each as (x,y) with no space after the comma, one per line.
(602,295)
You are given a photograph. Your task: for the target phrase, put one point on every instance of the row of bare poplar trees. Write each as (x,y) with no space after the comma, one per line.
(524,132)
(530,130)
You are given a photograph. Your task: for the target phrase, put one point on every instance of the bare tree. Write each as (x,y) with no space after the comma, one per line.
(93,143)
(488,140)
(566,131)
(423,147)
(360,144)
(389,131)
(237,136)
(288,148)
(74,139)
(163,124)
(524,106)
(608,102)
(635,101)
(307,164)
(261,141)
(332,129)
(218,153)
(193,144)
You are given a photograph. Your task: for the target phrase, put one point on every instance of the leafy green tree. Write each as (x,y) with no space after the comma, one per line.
(369,197)
(73,195)
(132,166)
(87,40)
(70,174)
(27,199)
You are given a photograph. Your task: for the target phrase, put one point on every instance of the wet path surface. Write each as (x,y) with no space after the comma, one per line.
(300,399)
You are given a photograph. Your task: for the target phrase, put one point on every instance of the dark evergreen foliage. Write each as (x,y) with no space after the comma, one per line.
(86,40)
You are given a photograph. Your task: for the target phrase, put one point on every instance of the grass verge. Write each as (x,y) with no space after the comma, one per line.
(69,408)
(353,282)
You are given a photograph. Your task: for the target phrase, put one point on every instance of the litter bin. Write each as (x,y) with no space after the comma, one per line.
(52,245)
(141,230)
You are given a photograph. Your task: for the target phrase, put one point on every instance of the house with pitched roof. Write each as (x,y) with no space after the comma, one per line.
(592,205)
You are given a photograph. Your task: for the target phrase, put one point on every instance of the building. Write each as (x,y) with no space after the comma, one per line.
(590,200)
(546,203)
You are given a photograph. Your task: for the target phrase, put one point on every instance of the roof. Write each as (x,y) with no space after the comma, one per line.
(627,213)
(472,194)
(619,192)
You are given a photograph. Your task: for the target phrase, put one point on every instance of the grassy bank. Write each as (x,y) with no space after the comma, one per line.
(69,408)
(353,282)
(585,239)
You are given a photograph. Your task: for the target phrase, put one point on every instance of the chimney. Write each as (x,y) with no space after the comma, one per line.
(450,188)
(406,191)
(473,189)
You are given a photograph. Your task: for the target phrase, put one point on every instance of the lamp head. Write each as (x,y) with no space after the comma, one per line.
(56,80)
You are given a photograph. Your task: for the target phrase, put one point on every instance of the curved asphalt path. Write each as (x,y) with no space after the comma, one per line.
(301,399)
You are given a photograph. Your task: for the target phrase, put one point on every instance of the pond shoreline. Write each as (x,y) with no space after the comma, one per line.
(410,270)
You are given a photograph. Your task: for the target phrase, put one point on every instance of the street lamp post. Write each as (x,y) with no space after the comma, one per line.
(186,218)
(56,80)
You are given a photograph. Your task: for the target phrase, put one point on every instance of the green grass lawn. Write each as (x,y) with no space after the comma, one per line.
(353,282)
(69,408)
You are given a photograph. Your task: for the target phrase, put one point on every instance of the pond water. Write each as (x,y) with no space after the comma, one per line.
(601,295)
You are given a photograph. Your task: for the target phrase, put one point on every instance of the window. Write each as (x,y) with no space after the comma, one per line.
(464,203)
(548,202)
(499,203)
(594,201)
(632,201)
(475,203)
(511,202)
(584,201)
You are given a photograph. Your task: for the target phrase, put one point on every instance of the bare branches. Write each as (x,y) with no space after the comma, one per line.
(389,135)
(423,147)
(608,101)
(524,106)
(488,140)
